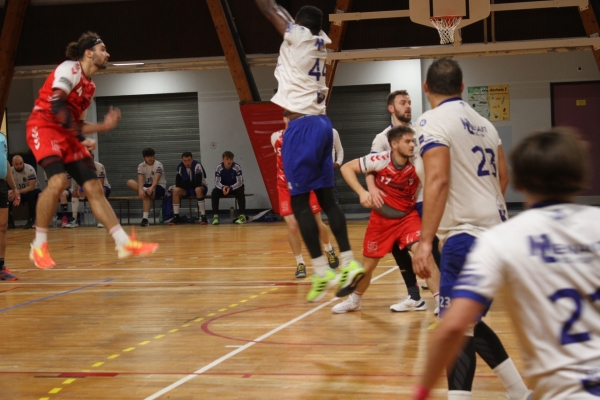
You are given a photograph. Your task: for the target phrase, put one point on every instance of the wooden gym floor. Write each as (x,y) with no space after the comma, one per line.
(216,313)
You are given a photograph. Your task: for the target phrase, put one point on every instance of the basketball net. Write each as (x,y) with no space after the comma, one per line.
(446,26)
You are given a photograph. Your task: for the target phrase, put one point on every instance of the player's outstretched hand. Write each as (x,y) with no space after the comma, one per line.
(420,260)
(112,118)
(376,197)
(366,200)
(89,144)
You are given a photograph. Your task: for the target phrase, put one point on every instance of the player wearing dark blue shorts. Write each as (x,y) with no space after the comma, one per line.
(189,182)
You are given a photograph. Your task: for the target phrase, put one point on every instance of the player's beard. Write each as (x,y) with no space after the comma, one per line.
(402,117)
(20,170)
(99,65)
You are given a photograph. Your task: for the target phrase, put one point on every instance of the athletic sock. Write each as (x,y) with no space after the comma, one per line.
(320,265)
(356,297)
(436,297)
(414,293)
(459,395)
(175,209)
(121,238)
(328,247)
(75,206)
(508,374)
(41,236)
(202,207)
(145,215)
(64,207)
(347,257)
(299,259)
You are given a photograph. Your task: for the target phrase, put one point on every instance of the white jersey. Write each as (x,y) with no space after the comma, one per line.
(300,71)
(381,144)
(22,178)
(148,172)
(475,201)
(101,172)
(548,260)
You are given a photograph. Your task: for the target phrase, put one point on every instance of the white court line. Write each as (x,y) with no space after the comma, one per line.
(247,345)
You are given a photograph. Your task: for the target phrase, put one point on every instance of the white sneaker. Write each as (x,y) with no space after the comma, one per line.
(100,225)
(409,304)
(346,306)
(436,312)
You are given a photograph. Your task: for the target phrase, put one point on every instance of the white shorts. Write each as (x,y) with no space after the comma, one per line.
(574,383)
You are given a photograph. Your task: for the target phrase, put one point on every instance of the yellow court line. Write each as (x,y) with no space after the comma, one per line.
(210,315)
(434,325)
(198,319)
(144,342)
(185,325)
(243,301)
(222,309)
(158,336)
(129,349)
(55,390)
(263,292)
(98,364)
(113,356)
(44,398)
(69,381)
(232,305)
(253,296)
(173,330)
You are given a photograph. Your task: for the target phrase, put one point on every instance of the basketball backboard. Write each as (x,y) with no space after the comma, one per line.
(471,11)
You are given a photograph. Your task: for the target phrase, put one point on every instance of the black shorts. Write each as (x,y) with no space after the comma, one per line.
(3,193)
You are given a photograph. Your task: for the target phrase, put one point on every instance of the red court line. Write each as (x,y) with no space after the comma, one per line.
(8,290)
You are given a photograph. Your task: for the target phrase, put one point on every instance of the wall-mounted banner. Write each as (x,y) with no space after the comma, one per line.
(491,102)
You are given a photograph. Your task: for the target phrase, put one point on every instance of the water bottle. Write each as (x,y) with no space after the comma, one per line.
(231,214)
(88,217)
(54,221)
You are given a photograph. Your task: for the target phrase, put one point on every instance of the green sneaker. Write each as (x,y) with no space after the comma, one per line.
(215,220)
(72,224)
(349,278)
(320,285)
(332,259)
(241,219)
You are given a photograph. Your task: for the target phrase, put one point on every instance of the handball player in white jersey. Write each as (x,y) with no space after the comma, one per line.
(555,244)
(308,141)
(464,176)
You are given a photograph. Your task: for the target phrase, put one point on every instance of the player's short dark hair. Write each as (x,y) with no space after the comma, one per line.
(553,164)
(397,132)
(228,154)
(73,48)
(310,17)
(392,96)
(147,152)
(444,77)
(187,154)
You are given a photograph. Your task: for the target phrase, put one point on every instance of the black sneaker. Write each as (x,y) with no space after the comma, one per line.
(29,224)
(301,271)
(11,224)
(332,259)
(145,222)
(175,221)
(6,275)
(203,220)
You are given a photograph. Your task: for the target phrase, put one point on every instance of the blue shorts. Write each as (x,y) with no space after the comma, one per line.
(159,191)
(419,207)
(106,191)
(454,257)
(306,153)
(192,192)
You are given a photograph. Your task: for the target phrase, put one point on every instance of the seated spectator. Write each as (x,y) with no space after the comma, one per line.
(190,181)
(28,187)
(65,198)
(151,184)
(229,181)
(79,193)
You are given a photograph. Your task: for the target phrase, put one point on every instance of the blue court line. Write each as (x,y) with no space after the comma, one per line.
(54,295)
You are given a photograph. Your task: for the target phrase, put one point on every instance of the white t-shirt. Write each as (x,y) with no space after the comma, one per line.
(22,178)
(101,172)
(149,170)
(475,201)
(548,259)
(300,71)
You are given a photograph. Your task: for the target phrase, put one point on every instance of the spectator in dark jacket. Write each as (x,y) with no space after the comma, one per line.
(189,182)
(229,181)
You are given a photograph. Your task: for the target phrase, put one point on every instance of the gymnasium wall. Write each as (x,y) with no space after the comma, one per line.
(220,122)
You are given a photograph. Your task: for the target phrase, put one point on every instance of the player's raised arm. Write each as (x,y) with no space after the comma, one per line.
(278,15)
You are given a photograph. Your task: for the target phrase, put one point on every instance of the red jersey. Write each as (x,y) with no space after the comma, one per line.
(277,142)
(68,77)
(400,185)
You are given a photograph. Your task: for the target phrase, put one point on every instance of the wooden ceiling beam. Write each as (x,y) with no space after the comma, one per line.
(233,50)
(9,42)
(592,29)
(337,31)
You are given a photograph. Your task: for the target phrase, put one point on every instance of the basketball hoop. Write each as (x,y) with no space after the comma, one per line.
(445,26)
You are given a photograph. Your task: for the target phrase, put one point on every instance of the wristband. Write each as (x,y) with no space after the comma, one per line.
(81,137)
(420,392)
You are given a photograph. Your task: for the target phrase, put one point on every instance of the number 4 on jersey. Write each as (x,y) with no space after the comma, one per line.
(316,70)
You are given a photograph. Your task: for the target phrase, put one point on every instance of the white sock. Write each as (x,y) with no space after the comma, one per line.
(328,247)
(202,207)
(346,257)
(511,379)
(121,238)
(175,209)
(75,206)
(145,215)
(320,265)
(299,259)
(459,395)
(436,297)
(355,297)
(41,236)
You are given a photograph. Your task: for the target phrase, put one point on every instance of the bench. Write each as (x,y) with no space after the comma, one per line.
(127,199)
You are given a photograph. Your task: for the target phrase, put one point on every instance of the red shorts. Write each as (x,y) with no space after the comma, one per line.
(383,232)
(47,140)
(285,202)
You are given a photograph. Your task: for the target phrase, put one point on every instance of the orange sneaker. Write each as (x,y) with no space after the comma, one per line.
(135,247)
(41,256)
